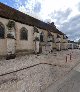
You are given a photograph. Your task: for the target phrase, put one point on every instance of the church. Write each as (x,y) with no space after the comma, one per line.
(21,33)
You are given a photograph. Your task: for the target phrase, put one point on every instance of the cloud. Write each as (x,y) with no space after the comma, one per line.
(68,25)
(60,16)
(72,27)
(30,7)
(37,7)
(22,5)
(78,6)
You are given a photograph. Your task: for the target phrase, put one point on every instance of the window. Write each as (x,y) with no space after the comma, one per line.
(23,34)
(41,37)
(2,30)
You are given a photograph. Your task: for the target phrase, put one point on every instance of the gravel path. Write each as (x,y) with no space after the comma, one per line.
(45,70)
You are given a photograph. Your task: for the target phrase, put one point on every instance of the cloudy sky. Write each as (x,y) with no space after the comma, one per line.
(64,13)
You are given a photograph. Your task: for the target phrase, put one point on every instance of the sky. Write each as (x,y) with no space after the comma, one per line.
(64,13)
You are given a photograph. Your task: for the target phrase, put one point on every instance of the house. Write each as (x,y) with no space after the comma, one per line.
(72,45)
(20,33)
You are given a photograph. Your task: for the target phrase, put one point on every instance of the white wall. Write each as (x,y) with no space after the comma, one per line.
(20,44)
(24,44)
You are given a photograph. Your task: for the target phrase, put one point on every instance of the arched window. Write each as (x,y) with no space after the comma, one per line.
(41,37)
(23,34)
(2,31)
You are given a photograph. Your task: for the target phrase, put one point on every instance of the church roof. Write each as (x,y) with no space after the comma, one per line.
(13,14)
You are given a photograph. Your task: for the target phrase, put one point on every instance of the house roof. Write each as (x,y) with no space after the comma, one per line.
(13,14)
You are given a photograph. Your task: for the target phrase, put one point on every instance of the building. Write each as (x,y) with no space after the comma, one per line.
(20,33)
(72,45)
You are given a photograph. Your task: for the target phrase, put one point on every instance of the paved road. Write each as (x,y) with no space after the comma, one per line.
(69,84)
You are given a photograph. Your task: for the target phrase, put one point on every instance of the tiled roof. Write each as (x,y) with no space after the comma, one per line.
(13,14)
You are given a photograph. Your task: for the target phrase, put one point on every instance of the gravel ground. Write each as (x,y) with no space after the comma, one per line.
(37,71)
